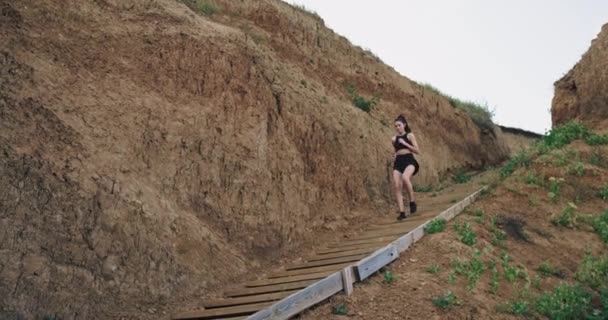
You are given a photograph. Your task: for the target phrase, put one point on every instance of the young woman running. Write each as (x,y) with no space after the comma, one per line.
(405,165)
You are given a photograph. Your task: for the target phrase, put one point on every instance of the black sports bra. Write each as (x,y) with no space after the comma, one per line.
(399,146)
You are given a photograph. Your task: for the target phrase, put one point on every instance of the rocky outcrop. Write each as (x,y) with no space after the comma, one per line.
(582,94)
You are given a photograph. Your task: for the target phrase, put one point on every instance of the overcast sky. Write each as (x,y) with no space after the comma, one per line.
(505,53)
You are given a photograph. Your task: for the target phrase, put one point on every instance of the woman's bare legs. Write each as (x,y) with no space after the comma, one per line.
(398,185)
(406,177)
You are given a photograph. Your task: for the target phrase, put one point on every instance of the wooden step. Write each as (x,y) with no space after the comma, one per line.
(247,300)
(402,225)
(414,218)
(269,289)
(351,247)
(266,282)
(222,312)
(365,241)
(341,254)
(384,233)
(287,273)
(431,211)
(326,262)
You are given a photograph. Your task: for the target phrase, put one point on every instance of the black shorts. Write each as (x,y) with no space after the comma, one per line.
(402,161)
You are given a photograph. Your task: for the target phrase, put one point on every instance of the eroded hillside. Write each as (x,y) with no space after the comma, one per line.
(582,94)
(151,153)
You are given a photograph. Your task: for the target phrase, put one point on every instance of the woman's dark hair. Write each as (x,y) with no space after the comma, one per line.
(401,118)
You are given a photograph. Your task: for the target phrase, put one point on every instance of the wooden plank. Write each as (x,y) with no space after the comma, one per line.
(301,300)
(266,282)
(366,241)
(326,262)
(404,242)
(247,300)
(448,214)
(415,218)
(427,210)
(347,280)
(287,273)
(418,233)
(222,312)
(268,289)
(408,222)
(390,232)
(352,247)
(373,263)
(345,253)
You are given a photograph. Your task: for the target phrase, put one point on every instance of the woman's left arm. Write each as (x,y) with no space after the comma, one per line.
(414,146)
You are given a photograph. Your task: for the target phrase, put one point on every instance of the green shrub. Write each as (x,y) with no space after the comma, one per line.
(600,226)
(472,269)
(559,158)
(594,139)
(467,236)
(340,309)
(567,218)
(546,269)
(577,169)
(494,278)
(604,302)
(388,277)
(597,158)
(461,177)
(205,7)
(435,226)
(505,259)
(518,308)
(451,277)
(521,159)
(478,213)
(360,102)
(532,178)
(510,272)
(555,185)
(603,193)
(565,302)
(446,301)
(498,235)
(593,272)
(536,282)
(433,269)
(480,114)
(564,134)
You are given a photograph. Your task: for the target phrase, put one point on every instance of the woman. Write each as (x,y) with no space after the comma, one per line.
(405,165)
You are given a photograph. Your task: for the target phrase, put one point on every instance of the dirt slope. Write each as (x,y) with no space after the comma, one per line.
(527,242)
(582,94)
(518,139)
(151,154)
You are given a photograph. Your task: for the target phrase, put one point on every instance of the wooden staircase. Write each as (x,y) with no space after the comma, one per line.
(246,301)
